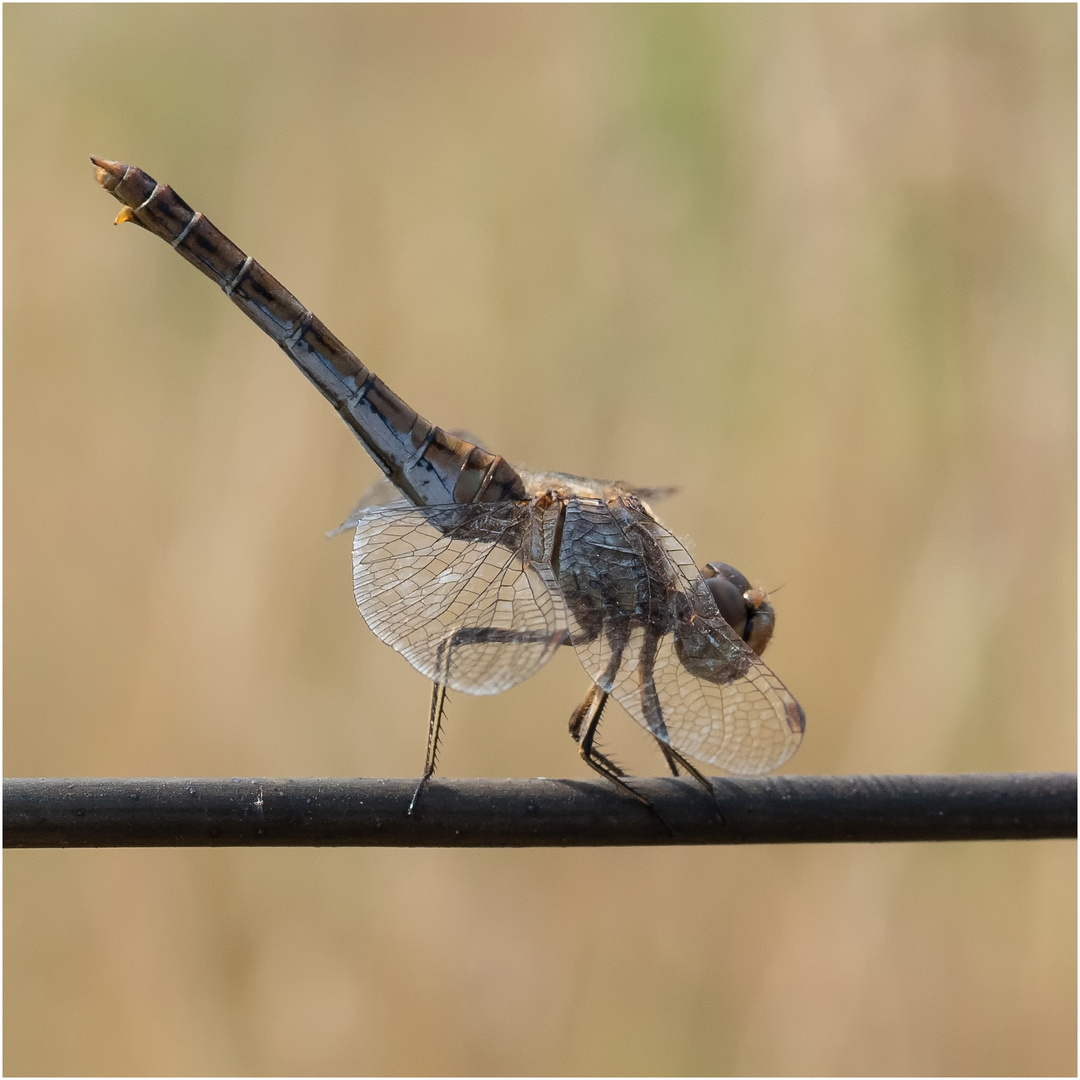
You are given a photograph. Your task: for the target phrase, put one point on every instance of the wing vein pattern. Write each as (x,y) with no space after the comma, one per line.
(451,588)
(647,630)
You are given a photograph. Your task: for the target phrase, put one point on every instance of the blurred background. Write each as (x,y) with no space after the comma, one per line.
(814,265)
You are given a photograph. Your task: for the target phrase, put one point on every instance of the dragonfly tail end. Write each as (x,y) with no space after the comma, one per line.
(109,173)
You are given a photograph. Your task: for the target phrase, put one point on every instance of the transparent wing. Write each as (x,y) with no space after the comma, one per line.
(648,631)
(381,493)
(450,588)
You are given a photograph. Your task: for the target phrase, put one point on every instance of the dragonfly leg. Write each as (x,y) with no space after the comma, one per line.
(578,719)
(472,635)
(583,727)
(654,714)
(669,757)
(438,706)
(675,759)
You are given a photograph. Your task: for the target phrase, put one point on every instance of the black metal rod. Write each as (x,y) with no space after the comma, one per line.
(101,812)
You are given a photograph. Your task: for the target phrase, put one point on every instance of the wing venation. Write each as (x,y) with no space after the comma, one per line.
(648,631)
(451,589)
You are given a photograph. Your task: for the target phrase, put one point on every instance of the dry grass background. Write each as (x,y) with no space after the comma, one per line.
(816,265)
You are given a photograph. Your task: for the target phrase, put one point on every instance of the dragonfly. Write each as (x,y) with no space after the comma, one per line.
(478,572)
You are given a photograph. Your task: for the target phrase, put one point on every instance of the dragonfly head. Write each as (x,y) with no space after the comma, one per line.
(745,609)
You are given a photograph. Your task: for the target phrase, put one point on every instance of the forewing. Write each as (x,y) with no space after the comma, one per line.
(450,588)
(647,629)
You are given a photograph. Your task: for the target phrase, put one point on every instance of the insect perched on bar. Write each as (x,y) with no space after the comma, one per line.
(477,571)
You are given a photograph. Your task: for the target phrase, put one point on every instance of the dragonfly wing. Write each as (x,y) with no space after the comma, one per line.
(381,493)
(451,589)
(648,631)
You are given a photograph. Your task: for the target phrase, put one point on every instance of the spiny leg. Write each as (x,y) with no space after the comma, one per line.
(675,759)
(590,712)
(669,757)
(472,635)
(586,717)
(654,714)
(578,719)
(586,721)
(438,705)
(583,725)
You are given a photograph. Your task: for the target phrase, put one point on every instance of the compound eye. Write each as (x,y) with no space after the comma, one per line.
(728,573)
(744,608)
(729,599)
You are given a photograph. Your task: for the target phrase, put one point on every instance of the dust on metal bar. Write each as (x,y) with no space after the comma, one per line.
(327,812)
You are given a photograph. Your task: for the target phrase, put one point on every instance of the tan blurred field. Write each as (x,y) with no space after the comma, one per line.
(816,266)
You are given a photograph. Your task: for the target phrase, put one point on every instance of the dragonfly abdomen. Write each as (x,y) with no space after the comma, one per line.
(428,465)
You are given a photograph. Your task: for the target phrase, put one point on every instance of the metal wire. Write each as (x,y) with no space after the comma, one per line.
(101,812)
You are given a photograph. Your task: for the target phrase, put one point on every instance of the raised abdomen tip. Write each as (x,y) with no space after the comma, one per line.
(109,173)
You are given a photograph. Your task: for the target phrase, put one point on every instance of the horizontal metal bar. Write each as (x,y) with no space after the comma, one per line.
(101,812)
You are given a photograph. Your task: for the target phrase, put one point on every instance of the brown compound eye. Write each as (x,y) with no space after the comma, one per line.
(745,609)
